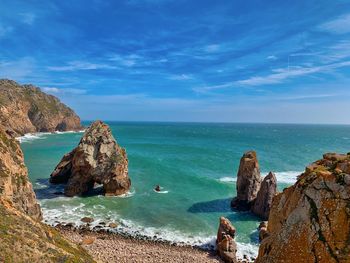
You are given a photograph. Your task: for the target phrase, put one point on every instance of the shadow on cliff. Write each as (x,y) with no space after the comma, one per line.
(214,206)
(45,190)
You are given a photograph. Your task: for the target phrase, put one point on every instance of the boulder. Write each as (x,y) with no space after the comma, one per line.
(97,159)
(87,219)
(263,233)
(226,246)
(248,182)
(310,221)
(263,201)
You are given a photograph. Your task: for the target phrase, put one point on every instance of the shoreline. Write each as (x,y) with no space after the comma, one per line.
(107,246)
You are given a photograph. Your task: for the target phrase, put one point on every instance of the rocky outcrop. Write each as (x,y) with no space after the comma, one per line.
(97,159)
(310,221)
(22,237)
(263,201)
(248,182)
(15,187)
(226,246)
(26,109)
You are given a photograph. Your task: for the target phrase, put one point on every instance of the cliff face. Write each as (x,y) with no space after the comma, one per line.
(310,221)
(25,109)
(22,237)
(14,184)
(97,159)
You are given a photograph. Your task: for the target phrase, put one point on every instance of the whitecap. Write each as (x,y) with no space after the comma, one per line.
(228,179)
(288,177)
(160,192)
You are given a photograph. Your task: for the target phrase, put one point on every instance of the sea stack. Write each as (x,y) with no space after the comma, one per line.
(263,201)
(310,221)
(97,159)
(225,242)
(248,182)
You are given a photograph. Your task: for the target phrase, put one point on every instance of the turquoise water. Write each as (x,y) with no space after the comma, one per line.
(196,165)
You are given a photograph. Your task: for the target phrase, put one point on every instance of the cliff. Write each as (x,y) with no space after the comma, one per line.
(22,237)
(310,221)
(26,109)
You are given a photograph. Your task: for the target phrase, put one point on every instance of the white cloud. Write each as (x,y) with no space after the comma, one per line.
(181,77)
(63,91)
(292,72)
(128,61)
(272,57)
(278,76)
(341,25)
(81,65)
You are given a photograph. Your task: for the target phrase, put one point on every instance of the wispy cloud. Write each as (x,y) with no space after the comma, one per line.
(63,91)
(28,18)
(340,25)
(17,69)
(181,77)
(81,65)
(4,30)
(271,57)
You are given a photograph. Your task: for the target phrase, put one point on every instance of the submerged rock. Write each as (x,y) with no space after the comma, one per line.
(226,245)
(97,159)
(310,221)
(248,182)
(263,201)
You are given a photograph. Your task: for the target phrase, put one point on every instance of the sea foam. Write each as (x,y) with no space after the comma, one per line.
(28,137)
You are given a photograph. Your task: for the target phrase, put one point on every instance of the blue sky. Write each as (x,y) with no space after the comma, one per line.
(164,60)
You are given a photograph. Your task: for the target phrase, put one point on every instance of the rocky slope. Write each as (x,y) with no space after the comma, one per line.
(310,221)
(26,109)
(22,237)
(97,159)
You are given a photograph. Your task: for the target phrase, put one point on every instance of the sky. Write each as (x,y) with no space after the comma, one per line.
(176,60)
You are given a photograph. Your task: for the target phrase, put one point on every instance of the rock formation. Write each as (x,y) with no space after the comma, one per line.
(248,182)
(226,246)
(26,109)
(310,221)
(97,159)
(22,237)
(263,201)
(15,187)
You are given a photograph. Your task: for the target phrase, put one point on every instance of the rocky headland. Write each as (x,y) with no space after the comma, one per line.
(26,109)
(310,221)
(98,159)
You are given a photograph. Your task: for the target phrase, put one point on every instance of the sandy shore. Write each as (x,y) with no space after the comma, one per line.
(108,247)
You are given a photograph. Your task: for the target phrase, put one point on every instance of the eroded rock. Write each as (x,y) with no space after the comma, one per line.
(263,201)
(310,221)
(248,182)
(97,159)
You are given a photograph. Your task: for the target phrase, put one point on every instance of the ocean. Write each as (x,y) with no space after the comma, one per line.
(196,166)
